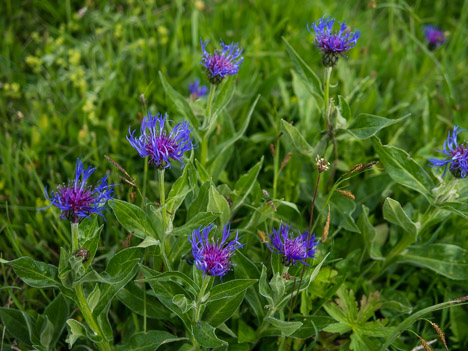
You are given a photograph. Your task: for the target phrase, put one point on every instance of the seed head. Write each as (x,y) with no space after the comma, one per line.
(322,164)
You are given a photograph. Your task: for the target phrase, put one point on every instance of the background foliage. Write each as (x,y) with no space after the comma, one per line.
(71,77)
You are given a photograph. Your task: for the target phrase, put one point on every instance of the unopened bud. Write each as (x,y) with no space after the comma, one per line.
(82,252)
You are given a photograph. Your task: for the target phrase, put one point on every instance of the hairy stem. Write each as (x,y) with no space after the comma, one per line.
(81,299)
(206,123)
(162,202)
(75,233)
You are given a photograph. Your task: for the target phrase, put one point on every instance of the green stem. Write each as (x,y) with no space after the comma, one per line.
(205,282)
(206,126)
(81,299)
(204,149)
(89,318)
(145,179)
(210,102)
(276,168)
(327,89)
(162,201)
(75,233)
(162,197)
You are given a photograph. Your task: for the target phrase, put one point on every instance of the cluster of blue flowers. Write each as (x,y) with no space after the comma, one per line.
(161,146)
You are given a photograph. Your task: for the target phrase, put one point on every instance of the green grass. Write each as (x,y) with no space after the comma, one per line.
(71,86)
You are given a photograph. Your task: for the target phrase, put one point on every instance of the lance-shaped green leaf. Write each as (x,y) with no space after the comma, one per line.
(205,335)
(297,139)
(165,291)
(366,126)
(133,297)
(313,83)
(180,103)
(245,185)
(57,313)
(180,189)
(246,269)
(220,102)
(200,219)
(90,235)
(177,277)
(371,237)
(448,260)
(221,310)
(218,162)
(123,265)
(34,273)
(149,341)
(133,219)
(286,328)
(19,324)
(403,169)
(217,203)
(394,213)
(230,288)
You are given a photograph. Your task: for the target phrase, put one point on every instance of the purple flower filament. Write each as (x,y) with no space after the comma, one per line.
(332,43)
(457,155)
(292,249)
(159,145)
(196,90)
(221,63)
(78,199)
(210,256)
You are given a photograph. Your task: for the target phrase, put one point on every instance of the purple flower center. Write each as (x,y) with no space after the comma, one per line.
(294,249)
(161,147)
(215,260)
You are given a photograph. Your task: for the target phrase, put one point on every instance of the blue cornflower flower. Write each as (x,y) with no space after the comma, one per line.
(221,63)
(434,36)
(457,155)
(331,43)
(160,147)
(213,258)
(293,249)
(77,199)
(196,90)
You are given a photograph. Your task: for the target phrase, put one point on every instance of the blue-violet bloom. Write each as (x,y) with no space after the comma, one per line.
(78,199)
(210,256)
(457,155)
(159,145)
(434,36)
(196,90)
(221,63)
(293,249)
(332,43)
